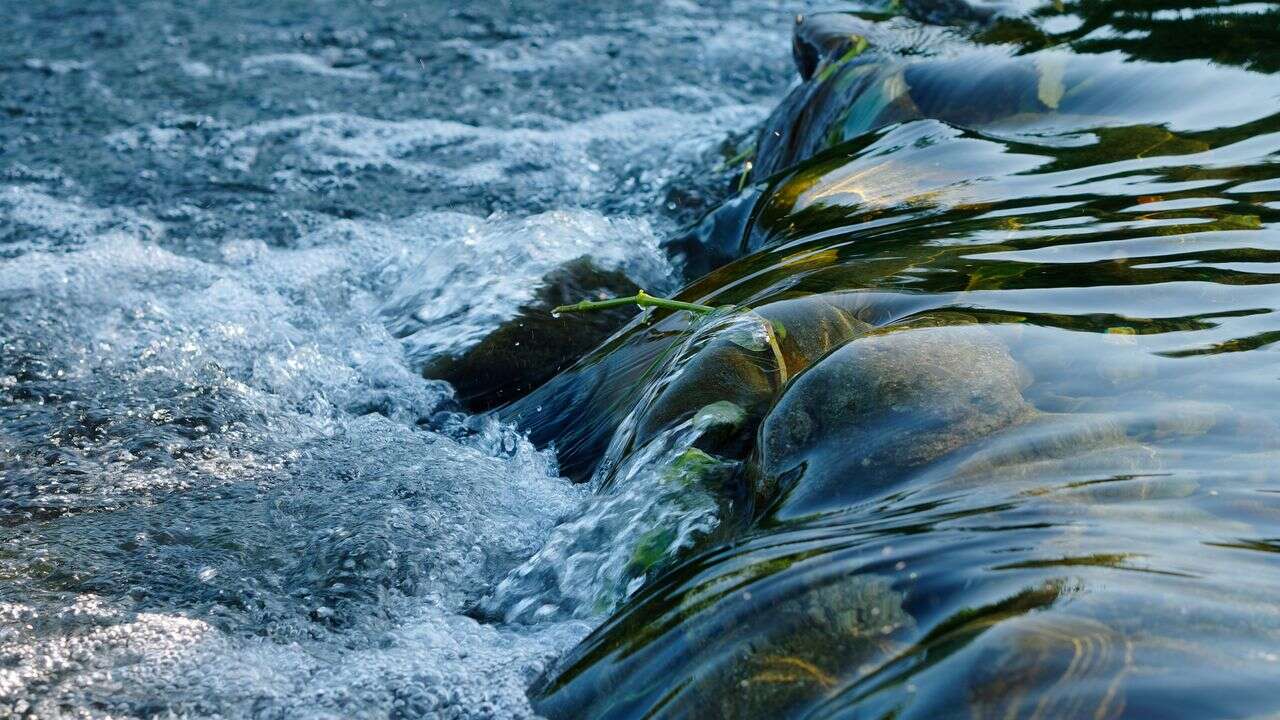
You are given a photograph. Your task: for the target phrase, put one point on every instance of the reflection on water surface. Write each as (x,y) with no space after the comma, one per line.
(1046,483)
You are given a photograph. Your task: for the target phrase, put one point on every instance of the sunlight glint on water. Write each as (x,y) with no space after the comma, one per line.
(223,493)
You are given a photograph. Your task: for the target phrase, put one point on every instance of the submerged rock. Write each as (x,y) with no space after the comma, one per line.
(815,637)
(729,664)
(663,376)
(860,76)
(870,413)
(748,365)
(533,346)
(739,365)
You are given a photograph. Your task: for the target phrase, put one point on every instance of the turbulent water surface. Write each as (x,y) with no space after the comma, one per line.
(1039,241)
(230,235)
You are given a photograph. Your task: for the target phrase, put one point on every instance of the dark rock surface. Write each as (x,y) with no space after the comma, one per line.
(867,415)
(532,347)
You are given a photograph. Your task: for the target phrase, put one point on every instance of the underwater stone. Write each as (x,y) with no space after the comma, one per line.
(817,638)
(811,326)
(579,410)
(819,633)
(864,417)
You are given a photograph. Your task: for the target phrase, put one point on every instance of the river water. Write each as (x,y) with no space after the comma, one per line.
(222,491)
(232,234)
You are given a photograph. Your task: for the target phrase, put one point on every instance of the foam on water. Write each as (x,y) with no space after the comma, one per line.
(34,220)
(476,274)
(211,457)
(302,62)
(432,664)
(533,162)
(199,454)
(221,492)
(229,236)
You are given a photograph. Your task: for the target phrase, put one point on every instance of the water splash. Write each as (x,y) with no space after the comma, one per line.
(227,490)
(476,274)
(216,476)
(656,497)
(660,505)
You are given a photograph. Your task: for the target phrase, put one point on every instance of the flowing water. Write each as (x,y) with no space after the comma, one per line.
(232,235)
(1041,479)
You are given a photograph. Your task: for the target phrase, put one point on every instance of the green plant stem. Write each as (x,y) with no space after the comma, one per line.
(641,299)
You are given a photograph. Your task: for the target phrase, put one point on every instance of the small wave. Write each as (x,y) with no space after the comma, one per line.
(475,274)
(302,62)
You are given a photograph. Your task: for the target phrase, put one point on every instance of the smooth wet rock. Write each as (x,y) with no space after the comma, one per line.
(1049,447)
(869,414)
(738,365)
(724,666)
(532,347)
(749,363)
(738,362)
(578,411)
(670,483)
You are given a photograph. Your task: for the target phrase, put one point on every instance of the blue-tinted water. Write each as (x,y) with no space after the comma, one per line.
(231,234)
(1022,463)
